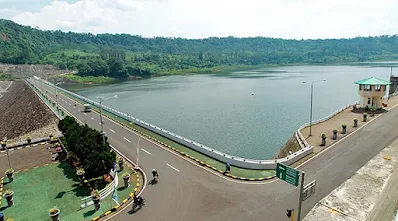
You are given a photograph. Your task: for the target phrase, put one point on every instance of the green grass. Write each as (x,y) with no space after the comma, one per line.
(89,79)
(6,77)
(235,171)
(38,190)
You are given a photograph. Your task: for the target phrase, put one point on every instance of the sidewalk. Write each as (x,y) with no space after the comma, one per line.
(356,197)
(345,117)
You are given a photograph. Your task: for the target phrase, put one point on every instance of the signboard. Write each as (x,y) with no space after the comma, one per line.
(309,190)
(288,174)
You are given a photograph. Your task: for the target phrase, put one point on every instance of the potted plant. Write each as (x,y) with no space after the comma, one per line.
(344,126)
(334,135)
(126,178)
(365,116)
(80,174)
(323,139)
(29,139)
(8,194)
(54,213)
(355,122)
(10,174)
(96,199)
(121,163)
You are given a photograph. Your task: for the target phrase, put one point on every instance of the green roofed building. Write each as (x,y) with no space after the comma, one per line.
(371,92)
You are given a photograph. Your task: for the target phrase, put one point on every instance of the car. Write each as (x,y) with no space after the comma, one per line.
(87,108)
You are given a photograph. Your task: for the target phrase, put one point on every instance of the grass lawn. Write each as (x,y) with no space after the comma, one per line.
(37,190)
(235,171)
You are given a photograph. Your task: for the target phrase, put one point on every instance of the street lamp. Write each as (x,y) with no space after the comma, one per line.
(101,99)
(312,93)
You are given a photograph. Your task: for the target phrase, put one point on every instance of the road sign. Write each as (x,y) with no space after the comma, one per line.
(309,190)
(288,174)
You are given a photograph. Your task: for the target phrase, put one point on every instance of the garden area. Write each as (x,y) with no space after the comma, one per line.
(86,173)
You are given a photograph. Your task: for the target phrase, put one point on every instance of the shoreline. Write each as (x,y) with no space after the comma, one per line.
(74,79)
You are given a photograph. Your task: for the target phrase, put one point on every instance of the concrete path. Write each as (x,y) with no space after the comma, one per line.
(194,193)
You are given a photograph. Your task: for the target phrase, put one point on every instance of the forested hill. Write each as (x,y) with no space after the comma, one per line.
(121,54)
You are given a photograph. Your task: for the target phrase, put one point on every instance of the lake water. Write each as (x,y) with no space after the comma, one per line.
(221,112)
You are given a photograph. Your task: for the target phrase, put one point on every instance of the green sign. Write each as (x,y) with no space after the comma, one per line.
(288,174)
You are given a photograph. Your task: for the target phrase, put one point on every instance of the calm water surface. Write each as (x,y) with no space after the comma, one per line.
(221,112)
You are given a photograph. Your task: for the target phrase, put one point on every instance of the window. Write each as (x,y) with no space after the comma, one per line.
(367,87)
(368,100)
(378,88)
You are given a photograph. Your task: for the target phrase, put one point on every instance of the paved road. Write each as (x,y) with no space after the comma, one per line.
(187,192)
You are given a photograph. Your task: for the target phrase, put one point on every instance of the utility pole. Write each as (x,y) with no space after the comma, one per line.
(312,94)
(301,196)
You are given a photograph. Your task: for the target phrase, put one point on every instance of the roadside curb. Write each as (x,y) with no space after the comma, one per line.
(186,156)
(125,201)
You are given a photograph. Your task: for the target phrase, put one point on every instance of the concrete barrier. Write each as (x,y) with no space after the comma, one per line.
(203,149)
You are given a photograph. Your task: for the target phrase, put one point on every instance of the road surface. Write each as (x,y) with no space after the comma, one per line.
(187,191)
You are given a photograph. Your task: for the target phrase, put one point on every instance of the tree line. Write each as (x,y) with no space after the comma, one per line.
(121,55)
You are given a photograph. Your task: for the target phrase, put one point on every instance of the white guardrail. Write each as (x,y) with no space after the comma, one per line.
(218,155)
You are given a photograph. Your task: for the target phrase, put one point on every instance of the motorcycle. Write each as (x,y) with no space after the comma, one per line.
(138,205)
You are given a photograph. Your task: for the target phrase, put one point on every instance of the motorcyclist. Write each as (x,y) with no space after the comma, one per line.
(138,200)
(227,168)
(155,174)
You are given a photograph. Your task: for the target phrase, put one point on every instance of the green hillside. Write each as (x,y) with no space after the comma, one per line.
(121,55)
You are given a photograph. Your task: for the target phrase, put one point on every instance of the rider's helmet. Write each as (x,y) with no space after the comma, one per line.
(154,171)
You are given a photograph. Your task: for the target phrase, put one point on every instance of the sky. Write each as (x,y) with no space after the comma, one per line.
(291,19)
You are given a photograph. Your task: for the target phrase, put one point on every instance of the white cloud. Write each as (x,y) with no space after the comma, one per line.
(203,18)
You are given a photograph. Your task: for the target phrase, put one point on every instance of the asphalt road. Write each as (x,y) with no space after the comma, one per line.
(189,192)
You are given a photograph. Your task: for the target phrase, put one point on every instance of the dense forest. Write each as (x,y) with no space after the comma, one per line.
(121,55)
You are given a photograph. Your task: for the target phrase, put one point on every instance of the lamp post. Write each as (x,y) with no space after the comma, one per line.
(101,99)
(312,95)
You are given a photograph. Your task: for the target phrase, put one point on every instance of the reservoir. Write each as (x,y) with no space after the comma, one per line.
(249,113)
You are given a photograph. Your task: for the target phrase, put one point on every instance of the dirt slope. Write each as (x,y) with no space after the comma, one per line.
(22,113)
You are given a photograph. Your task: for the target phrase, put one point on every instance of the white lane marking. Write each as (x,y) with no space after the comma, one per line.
(126,139)
(85,114)
(323,151)
(145,151)
(69,104)
(112,130)
(92,118)
(173,167)
(74,107)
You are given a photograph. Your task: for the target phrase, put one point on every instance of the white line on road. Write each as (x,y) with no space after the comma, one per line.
(126,139)
(173,167)
(92,118)
(112,130)
(85,114)
(145,151)
(69,104)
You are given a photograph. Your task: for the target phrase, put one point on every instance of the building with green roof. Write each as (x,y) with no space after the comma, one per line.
(371,92)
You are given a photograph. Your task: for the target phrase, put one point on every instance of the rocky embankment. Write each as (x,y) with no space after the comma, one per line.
(23,114)
(291,145)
